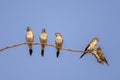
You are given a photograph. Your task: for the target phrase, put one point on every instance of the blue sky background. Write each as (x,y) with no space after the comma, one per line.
(78,20)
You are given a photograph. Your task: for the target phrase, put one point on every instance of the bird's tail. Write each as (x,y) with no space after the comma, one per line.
(57,53)
(42,52)
(106,62)
(82,55)
(30,51)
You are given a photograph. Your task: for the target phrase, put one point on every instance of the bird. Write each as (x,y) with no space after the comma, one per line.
(58,43)
(101,58)
(94,53)
(43,40)
(30,39)
(90,47)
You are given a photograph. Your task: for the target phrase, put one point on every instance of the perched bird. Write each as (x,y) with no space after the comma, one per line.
(30,39)
(94,52)
(58,43)
(100,56)
(90,47)
(43,40)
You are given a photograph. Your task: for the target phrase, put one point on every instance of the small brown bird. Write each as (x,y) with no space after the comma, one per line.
(100,56)
(30,39)
(90,47)
(94,52)
(58,43)
(43,40)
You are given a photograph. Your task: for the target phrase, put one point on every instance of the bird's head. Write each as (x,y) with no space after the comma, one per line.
(99,51)
(58,34)
(43,30)
(29,29)
(99,48)
(95,39)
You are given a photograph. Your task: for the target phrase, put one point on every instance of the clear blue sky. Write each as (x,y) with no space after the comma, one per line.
(78,21)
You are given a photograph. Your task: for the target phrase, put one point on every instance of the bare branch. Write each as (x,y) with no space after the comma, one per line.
(11,46)
(38,43)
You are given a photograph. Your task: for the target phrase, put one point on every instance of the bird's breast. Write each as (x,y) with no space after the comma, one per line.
(59,40)
(29,37)
(43,37)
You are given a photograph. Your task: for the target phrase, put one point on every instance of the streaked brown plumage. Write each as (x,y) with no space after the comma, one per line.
(90,47)
(101,58)
(30,39)
(43,40)
(58,43)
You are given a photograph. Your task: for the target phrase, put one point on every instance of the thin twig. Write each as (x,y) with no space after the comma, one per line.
(11,46)
(38,43)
